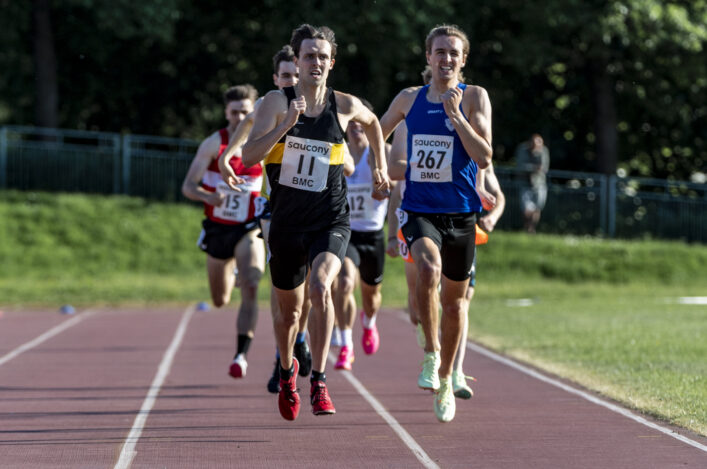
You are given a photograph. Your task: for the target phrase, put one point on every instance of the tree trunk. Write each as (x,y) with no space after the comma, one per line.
(604,117)
(46,109)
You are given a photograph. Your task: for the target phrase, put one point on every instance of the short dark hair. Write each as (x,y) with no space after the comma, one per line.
(307,31)
(239,92)
(286,54)
(447,30)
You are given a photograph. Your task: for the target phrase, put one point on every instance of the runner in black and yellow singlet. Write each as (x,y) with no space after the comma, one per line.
(285,74)
(305,169)
(299,133)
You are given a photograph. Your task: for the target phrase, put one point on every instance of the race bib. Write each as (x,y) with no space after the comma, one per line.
(235,205)
(305,164)
(431,158)
(403,249)
(261,205)
(402,217)
(360,201)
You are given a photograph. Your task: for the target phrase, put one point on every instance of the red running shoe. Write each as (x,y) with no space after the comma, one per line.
(288,399)
(321,402)
(346,358)
(370,339)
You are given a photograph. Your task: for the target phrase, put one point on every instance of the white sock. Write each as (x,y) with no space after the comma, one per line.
(346,337)
(368,323)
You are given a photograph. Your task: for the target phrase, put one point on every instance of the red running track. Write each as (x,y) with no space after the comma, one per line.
(71,388)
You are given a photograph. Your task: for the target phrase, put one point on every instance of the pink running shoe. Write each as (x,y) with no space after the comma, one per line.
(370,339)
(346,358)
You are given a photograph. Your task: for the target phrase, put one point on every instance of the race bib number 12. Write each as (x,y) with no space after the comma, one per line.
(305,164)
(431,158)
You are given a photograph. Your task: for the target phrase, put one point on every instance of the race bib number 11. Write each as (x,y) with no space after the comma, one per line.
(305,164)
(431,158)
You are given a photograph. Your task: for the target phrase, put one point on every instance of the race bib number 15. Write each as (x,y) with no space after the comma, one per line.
(431,158)
(235,206)
(305,164)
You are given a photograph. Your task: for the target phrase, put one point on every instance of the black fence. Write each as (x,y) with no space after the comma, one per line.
(36,159)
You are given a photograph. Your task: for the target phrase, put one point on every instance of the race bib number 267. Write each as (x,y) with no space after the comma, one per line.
(431,158)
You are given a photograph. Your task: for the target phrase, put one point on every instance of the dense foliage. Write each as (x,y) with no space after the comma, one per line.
(609,83)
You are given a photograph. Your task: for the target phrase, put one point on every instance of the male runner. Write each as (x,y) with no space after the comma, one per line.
(230,229)
(299,133)
(285,75)
(365,255)
(449,139)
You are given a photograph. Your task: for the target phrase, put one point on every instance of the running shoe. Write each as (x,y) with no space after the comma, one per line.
(370,340)
(346,358)
(461,390)
(428,378)
(274,381)
(304,356)
(288,400)
(445,407)
(421,341)
(319,397)
(238,367)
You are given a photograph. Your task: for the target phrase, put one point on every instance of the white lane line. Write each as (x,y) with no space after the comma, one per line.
(692,300)
(584,395)
(128,452)
(595,400)
(390,420)
(46,336)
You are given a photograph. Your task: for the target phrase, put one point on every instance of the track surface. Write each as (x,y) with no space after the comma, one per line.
(71,388)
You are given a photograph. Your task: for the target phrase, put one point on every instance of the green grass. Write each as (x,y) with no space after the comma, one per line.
(602,314)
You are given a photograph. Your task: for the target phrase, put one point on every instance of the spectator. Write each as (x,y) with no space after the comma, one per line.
(533,160)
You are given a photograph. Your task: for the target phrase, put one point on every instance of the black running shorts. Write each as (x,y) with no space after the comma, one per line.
(292,253)
(367,251)
(219,240)
(454,235)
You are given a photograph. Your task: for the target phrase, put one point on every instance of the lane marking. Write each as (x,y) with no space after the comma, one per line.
(593,399)
(46,336)
(390,420)
(128,452)
(692,300)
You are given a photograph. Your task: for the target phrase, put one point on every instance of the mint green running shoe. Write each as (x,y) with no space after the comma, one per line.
(428,378)
(461,390)
(445,406)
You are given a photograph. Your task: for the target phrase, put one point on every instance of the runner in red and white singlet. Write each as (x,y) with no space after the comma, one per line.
(234,253)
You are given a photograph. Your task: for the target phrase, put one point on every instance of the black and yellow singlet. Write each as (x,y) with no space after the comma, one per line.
(306,172)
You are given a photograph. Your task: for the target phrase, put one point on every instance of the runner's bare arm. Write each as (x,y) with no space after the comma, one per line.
(272,121)
(393,205)
(488,221)
(237,140)
(191,187)
(475,133)
(349,163)
(398,153)
(488,200)
(397,110)
(354,110)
